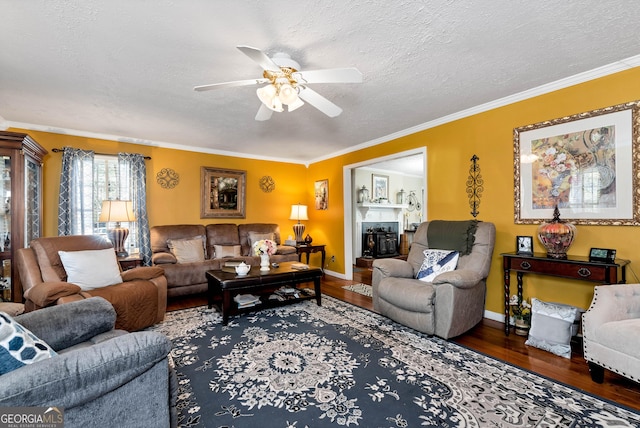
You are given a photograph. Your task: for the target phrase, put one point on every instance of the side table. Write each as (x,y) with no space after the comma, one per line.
(573,267)
(130,262)
(308,249)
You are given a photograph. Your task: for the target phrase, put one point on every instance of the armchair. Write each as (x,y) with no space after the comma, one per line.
(140,300)
(453,302)
(610,331)
(100,376)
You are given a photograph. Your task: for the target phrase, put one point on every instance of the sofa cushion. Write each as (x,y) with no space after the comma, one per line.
(19,346)
(163,258)
(286,249)
(436,262)
(90,269)
(222,251)
(551,327)
(188,250)
(135,302)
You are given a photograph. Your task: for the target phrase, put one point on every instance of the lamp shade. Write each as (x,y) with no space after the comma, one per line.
(116,211)
(298,212)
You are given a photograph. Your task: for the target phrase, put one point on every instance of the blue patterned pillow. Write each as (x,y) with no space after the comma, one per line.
(436,262)
(18,346)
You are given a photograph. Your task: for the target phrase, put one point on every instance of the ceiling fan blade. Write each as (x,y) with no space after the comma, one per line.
(330,75)
(264,113)
(260,57)
(230,84)
(319,102)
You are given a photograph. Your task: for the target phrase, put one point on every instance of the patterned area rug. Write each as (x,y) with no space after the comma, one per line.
(339,365)
(364,289)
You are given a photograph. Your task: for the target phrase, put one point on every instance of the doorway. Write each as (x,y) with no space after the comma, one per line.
(396,170)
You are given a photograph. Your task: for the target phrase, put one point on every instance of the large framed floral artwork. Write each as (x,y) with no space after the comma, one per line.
(222,193)
(587,164)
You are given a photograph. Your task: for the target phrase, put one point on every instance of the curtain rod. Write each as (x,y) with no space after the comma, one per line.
(56,150)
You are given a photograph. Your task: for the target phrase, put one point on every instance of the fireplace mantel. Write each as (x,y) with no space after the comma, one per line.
(366,206)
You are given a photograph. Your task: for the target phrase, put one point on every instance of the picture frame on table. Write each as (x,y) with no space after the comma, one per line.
(587,164)
(222,193)
(524,245)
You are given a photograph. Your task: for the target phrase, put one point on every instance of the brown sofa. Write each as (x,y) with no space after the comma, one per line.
(220,240)
(139,301)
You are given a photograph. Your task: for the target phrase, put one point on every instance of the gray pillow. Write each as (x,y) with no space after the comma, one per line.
(551,327)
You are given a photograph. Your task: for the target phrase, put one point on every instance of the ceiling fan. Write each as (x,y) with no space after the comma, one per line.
(287,85)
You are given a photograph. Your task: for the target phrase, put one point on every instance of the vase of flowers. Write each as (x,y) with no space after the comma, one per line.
(521,311)
(264,248)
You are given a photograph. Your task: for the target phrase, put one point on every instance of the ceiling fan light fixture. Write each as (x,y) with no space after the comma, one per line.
(287,94)
(268,96)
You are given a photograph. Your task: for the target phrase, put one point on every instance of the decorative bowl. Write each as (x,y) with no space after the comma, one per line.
(556,236)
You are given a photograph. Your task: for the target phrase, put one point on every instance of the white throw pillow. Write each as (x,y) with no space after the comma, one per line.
(436,262)
(187,250)
(551,327)
(90,269)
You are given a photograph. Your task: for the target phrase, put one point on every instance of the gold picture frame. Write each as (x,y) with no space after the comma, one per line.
(222,193)
(321,191)
(588,164)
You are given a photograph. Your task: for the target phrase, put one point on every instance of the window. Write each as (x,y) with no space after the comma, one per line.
(101,181)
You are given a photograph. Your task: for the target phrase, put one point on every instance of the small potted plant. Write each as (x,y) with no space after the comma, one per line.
(521,311)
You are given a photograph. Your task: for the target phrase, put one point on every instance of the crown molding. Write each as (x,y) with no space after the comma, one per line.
(586,76)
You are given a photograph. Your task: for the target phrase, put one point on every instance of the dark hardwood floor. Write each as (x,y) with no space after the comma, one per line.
(488,338)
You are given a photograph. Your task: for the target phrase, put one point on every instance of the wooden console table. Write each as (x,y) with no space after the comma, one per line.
(573,267)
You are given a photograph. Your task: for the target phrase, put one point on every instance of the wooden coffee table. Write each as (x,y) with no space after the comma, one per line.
(228,284)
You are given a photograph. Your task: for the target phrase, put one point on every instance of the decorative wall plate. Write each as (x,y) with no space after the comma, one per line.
(167,178)
(267,184)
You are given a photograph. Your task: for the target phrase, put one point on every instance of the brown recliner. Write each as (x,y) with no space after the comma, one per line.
(139,301)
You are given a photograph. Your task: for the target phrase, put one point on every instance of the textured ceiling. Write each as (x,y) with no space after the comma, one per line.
(126,69)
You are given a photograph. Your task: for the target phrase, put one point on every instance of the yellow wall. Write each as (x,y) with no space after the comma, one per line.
(489,135)
(181,205)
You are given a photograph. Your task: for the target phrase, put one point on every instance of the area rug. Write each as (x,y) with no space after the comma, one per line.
(364,289)
(340,365)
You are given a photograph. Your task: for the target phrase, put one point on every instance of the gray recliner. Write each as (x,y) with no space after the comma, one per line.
(449,305)
(101,376)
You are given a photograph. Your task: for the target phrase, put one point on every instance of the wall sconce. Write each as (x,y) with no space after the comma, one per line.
(117,211)
(298,212)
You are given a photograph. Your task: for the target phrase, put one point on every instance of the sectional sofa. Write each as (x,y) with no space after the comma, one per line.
(220,243)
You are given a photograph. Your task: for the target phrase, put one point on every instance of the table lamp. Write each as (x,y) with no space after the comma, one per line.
(117,211)
(298,212)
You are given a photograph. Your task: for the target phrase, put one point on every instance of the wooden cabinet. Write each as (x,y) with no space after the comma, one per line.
(20,204)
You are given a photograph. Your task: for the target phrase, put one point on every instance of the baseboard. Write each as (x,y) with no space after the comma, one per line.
(336,274)
(494,316)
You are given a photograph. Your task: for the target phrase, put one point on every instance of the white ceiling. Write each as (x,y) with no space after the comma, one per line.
(125,69)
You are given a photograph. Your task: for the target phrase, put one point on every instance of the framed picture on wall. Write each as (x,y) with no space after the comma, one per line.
(380,187)
(322,194)
(586,164)
(222,193)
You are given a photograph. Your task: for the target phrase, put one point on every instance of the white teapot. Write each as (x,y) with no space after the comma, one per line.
(243,268)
